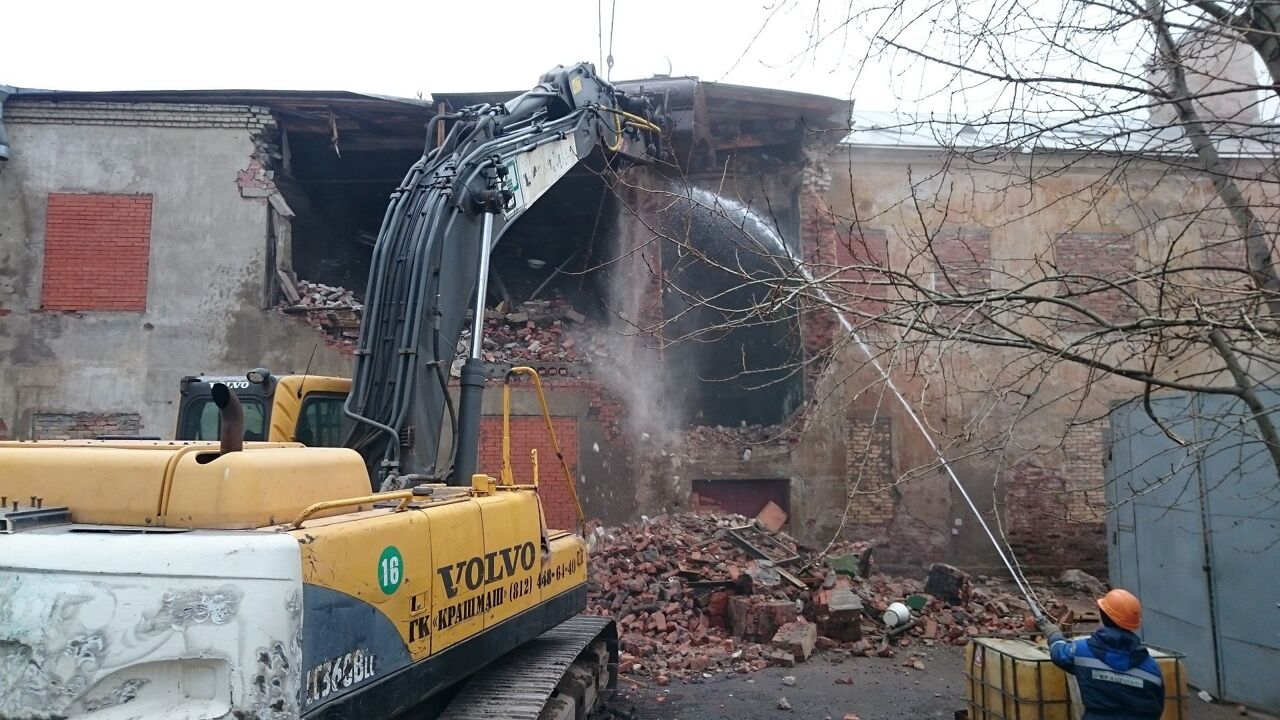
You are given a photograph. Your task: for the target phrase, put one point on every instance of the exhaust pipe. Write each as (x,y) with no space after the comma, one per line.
(231,414)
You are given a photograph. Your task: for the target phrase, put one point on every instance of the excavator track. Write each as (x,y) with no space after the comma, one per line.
(546,678)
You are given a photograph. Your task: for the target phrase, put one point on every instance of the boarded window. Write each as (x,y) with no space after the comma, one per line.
(96,252)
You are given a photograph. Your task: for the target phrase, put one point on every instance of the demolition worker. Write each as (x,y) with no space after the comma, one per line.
(1118,678)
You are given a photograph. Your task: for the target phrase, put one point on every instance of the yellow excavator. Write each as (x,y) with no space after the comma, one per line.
(197,580)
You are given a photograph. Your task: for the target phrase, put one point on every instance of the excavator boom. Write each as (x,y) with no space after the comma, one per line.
(430,262)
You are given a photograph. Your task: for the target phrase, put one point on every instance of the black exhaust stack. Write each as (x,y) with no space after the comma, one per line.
(231,428)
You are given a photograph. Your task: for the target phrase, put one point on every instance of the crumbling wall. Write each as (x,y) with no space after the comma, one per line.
(83,425)
(1026,442)
(210,258)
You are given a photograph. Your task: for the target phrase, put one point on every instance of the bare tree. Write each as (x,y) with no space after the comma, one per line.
(1138,143)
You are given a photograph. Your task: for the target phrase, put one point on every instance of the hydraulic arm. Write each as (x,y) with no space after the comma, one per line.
(431,261)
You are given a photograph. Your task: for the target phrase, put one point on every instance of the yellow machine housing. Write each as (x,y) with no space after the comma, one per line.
(394,596)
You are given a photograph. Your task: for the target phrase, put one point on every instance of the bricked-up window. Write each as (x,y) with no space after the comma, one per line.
(96,252)
(1090,264)
(869,469)
(964,261)
(859,254)
(963,258)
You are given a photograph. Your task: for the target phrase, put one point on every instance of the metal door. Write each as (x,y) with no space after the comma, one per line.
(1196,534)
(1242,507)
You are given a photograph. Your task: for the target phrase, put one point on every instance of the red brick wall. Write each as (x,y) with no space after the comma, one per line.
(1095,258)
(96,252)
(84,425)
(528,432)
(964,259)
(1039,531)
(859,252)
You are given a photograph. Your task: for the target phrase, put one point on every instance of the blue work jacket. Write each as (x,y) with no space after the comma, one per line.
(1118,678)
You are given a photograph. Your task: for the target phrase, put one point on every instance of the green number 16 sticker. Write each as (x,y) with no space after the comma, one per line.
(389,569)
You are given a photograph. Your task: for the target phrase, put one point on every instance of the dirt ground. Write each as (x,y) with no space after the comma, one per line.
(880,689)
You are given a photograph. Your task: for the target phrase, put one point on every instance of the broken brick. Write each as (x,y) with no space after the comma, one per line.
(772,517)
(797,638)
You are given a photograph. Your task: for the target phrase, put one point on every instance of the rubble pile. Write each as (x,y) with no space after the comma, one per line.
(697,594)
(704,436)
(334,311)
(537,331)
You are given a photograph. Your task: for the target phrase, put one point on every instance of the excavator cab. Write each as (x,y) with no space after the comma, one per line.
(287,408)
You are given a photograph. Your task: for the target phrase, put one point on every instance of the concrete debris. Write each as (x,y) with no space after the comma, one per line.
(788,680)
(688,596)
(784,704)
(1083,582)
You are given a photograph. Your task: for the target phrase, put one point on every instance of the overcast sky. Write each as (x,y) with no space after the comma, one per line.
(404,49)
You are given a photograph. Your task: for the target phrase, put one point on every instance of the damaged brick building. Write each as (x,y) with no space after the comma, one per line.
(149,235)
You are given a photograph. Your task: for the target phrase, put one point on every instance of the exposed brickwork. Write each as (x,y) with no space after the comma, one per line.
(602,406)
(859,251)
(96,252)
(528,433)
(869,471)
(1039,533)
(819,237)
(910,543)
(1095,258)
(1083,450)
(256,180)
(84,425)
(1229,277)
(255,119)
(1224,251)
(964,259)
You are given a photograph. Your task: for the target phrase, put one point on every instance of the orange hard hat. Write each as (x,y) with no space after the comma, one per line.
(1123,608)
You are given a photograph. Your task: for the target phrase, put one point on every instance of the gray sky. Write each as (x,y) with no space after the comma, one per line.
(406,48)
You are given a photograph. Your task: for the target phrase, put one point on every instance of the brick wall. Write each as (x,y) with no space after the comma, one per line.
(96,252)
(819,237)
(1037,525)
(1230,262)
(527,433)
(84,425)
(964,259)
(909,544)
(1095,258)
(255,119)
(1083,451)
(869,471)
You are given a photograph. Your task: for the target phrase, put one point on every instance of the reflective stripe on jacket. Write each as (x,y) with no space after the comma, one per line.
(1118,678)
